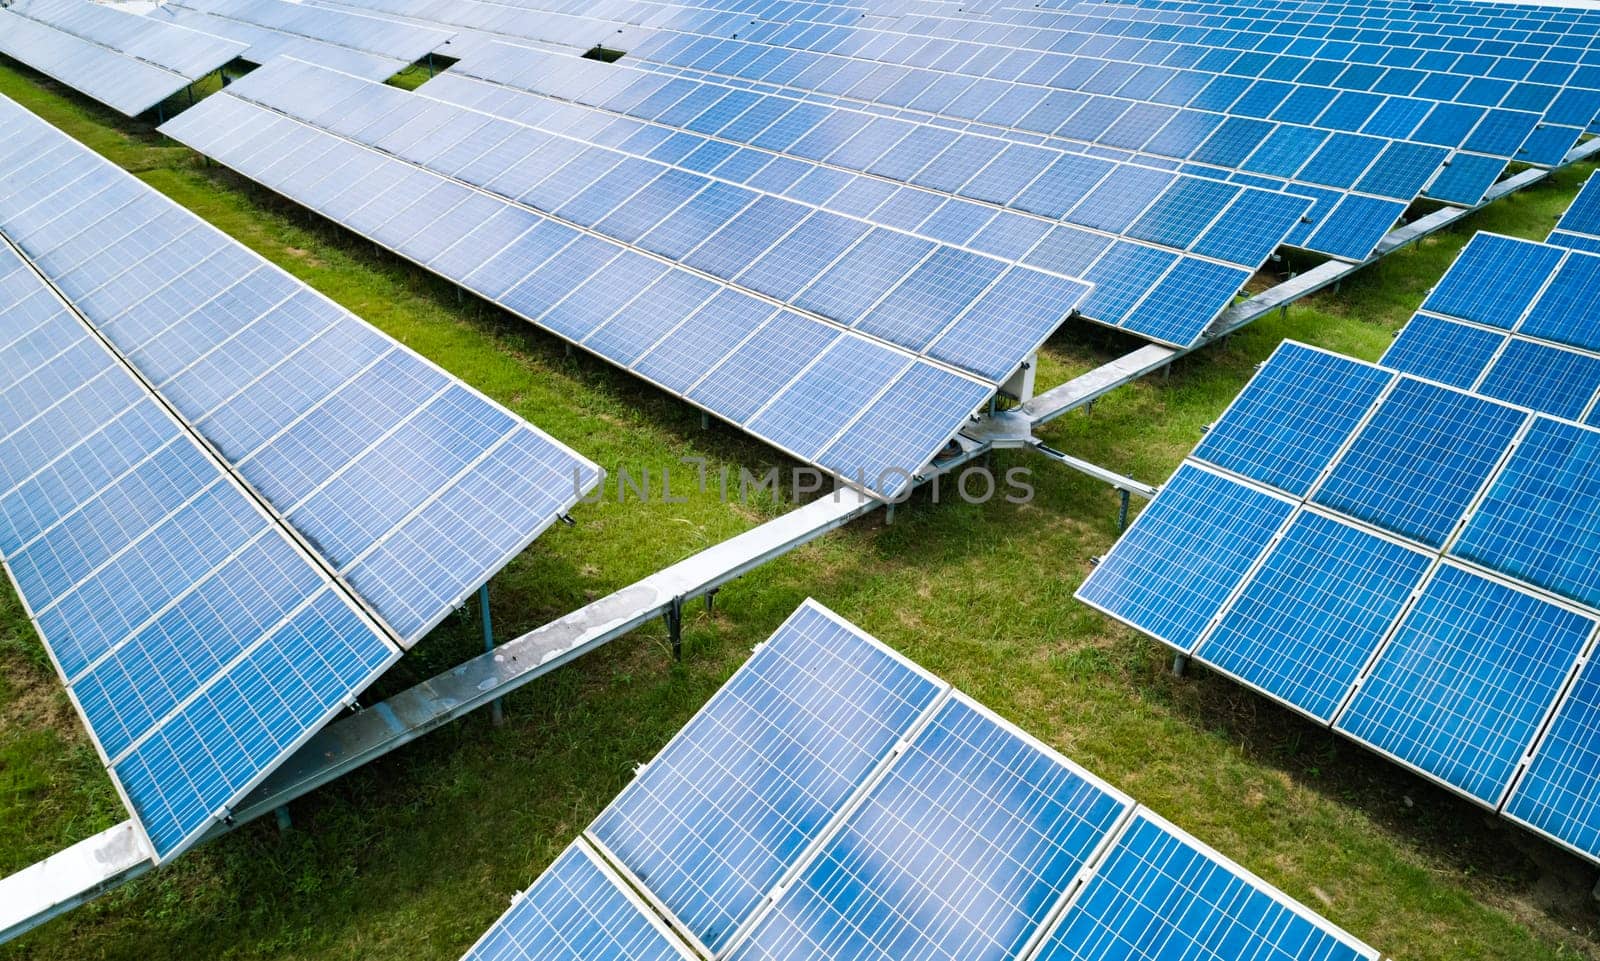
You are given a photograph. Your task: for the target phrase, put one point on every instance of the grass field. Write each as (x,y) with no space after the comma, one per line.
(414,855)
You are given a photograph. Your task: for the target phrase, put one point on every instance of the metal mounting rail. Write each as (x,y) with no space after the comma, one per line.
(77,874)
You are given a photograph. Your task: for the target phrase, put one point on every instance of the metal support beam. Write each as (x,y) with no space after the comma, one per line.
(673,615)
(497,711)
(1122,509)
(284,821)
(1180,665)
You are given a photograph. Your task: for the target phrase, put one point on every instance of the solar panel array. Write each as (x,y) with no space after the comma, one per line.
(1167,253)
(125,61)
(1405,561)
(835,801)
(1580,225)
(1362,142)
(669,273)
(355,44)
(227,503)
(1511,319)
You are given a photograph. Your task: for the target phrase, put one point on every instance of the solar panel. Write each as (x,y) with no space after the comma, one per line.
(264,43)
(1306,622)
(834,801)
(199,643)
(414,488)
(1464,685)
(960,851)
(1420,460)
(731,804)
(1184,554)
(124,61)
(624,302)
(1450,652)
(1272,434)
(1161,894)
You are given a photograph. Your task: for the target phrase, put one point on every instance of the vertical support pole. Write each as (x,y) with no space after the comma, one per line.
(711,596)
(497,711)
(674,616)
(1122,509)
(430,64)
(282,814)
(1180,665)
(705,424)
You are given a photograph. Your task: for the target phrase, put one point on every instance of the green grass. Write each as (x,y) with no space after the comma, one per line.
(412,856)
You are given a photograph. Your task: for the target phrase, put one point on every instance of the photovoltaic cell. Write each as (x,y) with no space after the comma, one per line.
(1564,312)
(1307,621)
(1463,686)
(731,803)
(1544,378)
(1180,560)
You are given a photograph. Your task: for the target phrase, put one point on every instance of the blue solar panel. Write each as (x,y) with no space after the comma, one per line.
(1181,559)
(1493,280)
(1464,685)
(960,852)
(1583,214)
(1443,350)
(1559,793)
(1355,226)
(732,802)
(1466,179)
(415,488)
(1545,378)
(577,911)
(1540,521)
(199,643)
(1161,896)
(1294,415)
(1564,312)
(1306,622)
(1421,460)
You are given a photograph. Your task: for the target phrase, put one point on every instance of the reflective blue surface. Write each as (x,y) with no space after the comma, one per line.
(1461,689)
(732,802)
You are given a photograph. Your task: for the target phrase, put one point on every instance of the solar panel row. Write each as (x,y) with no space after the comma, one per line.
(413,486)
(279,27)
(164,594)
(169,400)
(854,403)
(1182,111)
(1511,319)
(834,801)
(1357,169)
(1405,562)
(120,80)
(185,52)
(1396,64)
(1167,254)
